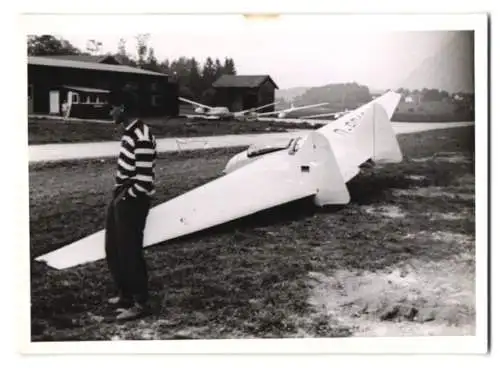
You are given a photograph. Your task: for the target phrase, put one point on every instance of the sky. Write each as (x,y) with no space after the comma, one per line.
(295,51)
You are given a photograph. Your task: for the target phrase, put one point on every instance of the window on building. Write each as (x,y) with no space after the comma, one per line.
(155,86)
(75,98)
(87,100)
(155,100)
(131,86)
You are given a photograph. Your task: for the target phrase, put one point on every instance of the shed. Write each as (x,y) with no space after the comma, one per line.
(242,92)
(52,80)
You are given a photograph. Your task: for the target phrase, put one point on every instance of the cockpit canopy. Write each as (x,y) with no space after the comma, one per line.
(292,144)
(258,150)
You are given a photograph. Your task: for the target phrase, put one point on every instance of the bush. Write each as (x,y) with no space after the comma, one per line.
(431,118)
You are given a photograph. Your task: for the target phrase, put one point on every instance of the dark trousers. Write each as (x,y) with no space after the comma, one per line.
(125,223)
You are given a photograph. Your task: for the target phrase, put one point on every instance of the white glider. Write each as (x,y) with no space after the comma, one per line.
(318,165)
(283,113)
(221,112)
(251,113)
(335,115)
(207,112)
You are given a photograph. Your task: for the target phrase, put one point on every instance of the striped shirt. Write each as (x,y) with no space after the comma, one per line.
(137,160)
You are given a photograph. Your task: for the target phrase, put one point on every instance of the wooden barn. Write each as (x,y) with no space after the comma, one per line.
(241,92)
(85,86)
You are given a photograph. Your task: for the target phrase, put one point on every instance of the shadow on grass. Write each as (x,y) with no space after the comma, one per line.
(282,214)
(367,188)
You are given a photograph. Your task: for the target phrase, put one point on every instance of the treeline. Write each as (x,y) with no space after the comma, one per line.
(195,77)
(351,95)
(339,95)
(432,94)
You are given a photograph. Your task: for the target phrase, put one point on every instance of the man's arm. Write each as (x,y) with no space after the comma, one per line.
(144,162)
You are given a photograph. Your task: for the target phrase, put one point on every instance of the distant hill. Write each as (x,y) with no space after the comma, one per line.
(334,93)
(290,94)
(339,96)
(450,69)
(377,91)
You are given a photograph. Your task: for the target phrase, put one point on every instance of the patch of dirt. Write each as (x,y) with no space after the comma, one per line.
(448,157)
(385,211)
(414,299)
(447,216)
(433,192)
(466,181)
(416,177)
(443,236)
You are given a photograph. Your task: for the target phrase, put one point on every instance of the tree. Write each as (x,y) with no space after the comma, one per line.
(208,73)
(180,69)
(339,95)
(151,63)
(208,96)
(403,91)
(229,67)
(142,47)
(444,94)
(165,66)
(122,47)
(122,56)
(185,92)
(94,47)
(219,69)
(194,79)
(50,45)
(281,103)
(431,95)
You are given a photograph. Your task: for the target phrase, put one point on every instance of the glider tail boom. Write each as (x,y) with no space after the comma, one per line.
(317,158)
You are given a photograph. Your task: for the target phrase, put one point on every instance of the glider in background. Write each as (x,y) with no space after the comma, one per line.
(310,120)
(283,113)
(221,112)
(335,115)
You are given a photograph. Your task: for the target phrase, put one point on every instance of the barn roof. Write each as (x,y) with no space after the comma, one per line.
(242,81)
(63,63)
(87,89)
(86,58)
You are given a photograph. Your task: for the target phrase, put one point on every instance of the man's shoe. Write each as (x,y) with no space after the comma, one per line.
(119,301)
(136,311)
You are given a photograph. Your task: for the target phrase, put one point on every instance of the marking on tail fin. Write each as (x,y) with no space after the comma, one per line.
(350,124)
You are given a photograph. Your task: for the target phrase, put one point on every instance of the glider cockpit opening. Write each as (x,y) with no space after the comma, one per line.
(254,151)
(295,145)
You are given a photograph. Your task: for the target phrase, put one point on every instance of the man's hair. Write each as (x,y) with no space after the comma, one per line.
(119,106)
(120,98)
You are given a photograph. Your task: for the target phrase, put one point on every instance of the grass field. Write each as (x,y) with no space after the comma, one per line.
(44,131)
(398,260)
(55,131)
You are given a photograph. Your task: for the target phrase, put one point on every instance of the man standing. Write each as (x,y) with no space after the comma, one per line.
(127,213)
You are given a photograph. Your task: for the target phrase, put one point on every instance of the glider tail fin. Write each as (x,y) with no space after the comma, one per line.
(385,144)
(386,147)
(374,137)
(389,101)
